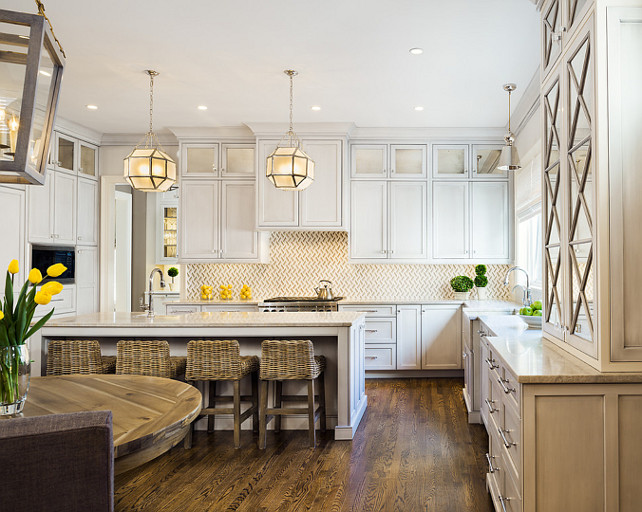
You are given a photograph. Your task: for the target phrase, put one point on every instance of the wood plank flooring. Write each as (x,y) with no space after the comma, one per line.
(414,451)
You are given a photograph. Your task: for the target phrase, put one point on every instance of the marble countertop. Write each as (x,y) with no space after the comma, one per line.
(232,319)
(535,360)
(482,305)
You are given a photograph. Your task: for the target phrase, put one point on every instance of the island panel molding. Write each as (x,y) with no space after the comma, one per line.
(326,257)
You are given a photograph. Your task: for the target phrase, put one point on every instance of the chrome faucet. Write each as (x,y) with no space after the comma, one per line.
(527,298)
(150,303)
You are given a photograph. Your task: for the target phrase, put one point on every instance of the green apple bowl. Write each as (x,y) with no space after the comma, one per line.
(534,322)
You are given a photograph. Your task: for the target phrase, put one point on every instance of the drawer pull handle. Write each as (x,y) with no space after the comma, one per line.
(482,333)
(490,403)
(503,501)
(502,383)
(369,311)
(372,331)
(506,442)
(491,363)
(372,357)
(491,469)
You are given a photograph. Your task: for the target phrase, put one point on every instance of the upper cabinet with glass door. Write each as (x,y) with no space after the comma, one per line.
(88,160)
(485,160)
(200,160)
(64,153)
(237,160)
(218,160)
(465,161)
(380,161)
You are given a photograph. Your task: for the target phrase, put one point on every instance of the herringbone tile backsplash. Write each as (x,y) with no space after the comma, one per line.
(299,259)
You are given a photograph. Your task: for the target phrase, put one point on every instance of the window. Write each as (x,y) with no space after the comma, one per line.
(529,243)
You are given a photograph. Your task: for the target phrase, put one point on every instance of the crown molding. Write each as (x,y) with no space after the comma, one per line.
(276,130)
(132,139)
(206,134)
(76,130)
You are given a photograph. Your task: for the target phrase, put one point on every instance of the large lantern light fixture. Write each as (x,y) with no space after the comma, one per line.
(288,167)
(148,167)
(509,159)
(31,66)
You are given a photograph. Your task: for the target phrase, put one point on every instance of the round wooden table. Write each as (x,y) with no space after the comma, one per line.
(150,414)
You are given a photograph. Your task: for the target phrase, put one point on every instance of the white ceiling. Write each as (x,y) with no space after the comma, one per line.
(352,57)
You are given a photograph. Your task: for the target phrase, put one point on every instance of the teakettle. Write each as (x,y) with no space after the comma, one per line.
(324,290)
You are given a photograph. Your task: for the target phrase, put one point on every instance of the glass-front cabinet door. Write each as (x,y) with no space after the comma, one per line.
(369,161)
(551,33)
(200,160)
(88,164)
(237,160)
(169,234)
(408,161)
(450,161)
(486,160)
(65,153)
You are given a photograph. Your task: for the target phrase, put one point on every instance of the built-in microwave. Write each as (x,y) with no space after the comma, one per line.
(43,256)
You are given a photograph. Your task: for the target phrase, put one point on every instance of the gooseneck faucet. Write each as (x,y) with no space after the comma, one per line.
(150,302)
(527,298)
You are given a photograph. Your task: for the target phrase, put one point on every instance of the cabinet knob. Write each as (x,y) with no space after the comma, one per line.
(383,252)
(79,238)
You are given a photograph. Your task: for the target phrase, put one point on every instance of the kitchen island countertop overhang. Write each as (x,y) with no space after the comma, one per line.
(339,336)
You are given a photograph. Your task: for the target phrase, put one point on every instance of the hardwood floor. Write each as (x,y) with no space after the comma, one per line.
(414,451)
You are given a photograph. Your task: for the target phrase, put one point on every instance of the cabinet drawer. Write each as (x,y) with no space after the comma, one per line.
(513,387)
(230,308)
(381,330)
(379,357)
(64,302)
(372,310)
(511,432)
(182,310)
(496,473)
(511,491)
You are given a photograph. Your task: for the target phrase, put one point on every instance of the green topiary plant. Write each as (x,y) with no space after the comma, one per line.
(480,270)
(481,280)
(172,272)
(461,283)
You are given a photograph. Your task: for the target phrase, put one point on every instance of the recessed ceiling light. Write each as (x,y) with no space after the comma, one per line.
(316,107)
(92,107)
(419,108)
(416,51)
(45,73)
(202,107)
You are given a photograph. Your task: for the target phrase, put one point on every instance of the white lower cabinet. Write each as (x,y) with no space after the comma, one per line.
(177,308)
(409,337)
(52,210)
(86,280)
(441,337)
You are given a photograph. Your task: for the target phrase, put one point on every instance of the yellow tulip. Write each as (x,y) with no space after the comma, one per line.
(52,288)
(35,276)
(56,270)
(42,298)
(1,315)
(14,268)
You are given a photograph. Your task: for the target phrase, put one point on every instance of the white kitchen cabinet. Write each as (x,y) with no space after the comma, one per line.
(87,160)
(238,160)
(13,211)
(199,220)
(408,161)
(485,158)
(369,219)
(200,160)
(450,220)
(52,210)
(369,161)
(239,239)
(87,215)
(450,161)
(64,153)
(380,161)
(86,280)
(182,309)
(409,337)
(388,220)
(441,337)
(228,308)
(490,220)
(319,207)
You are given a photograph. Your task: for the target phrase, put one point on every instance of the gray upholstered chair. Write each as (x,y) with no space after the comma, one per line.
(58,462)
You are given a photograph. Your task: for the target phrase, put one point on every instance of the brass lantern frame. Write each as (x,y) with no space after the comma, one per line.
(41,39)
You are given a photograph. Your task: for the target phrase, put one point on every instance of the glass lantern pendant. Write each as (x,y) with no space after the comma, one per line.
(31,66)
(148,167)
(288,167)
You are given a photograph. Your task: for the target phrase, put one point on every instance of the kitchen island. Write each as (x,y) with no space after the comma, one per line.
(339,336)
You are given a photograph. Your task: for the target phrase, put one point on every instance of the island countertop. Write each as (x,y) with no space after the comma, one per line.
(212,319)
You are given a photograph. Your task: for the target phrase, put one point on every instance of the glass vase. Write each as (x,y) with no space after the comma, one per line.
(15,373)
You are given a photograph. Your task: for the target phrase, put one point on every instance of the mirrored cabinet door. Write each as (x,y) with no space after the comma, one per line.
(88,164)
(237,160)
(450,161)
(551,33)
(65,158)
(200,160)
(486,160)
(408,161)
(369,161)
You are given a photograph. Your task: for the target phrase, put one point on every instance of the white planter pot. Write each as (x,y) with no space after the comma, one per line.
(461,295)
(482,293)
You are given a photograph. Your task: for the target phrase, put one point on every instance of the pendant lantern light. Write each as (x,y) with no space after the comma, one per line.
(288,167)
(148,167)
(509,159)
(31,66)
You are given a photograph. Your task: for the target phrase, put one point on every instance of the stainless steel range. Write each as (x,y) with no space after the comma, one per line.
(290,304)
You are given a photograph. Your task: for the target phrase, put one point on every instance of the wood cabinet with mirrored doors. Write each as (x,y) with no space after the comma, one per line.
(590,197)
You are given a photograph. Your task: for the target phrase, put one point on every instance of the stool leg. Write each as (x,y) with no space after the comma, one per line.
(311,427)
(263,413)
(212,402)
(278,403)
(255,402)
(237,413)
(321,384)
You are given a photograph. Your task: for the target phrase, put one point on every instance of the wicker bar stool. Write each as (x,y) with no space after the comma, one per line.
(212,361)
(290,360)
(67,357)
(148,357)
